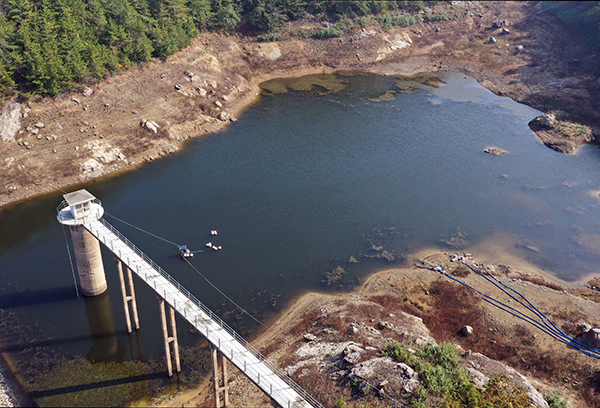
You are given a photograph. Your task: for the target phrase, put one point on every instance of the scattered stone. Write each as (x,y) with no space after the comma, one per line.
(466,331)
(218,104)
(505,31)
(212,83)
(107,105)
(178,87)
(201,91)
(224,116)
(87,91)
(39,125)
(519,48)
(310,337)
(492,40)
(77,100)
(225,98)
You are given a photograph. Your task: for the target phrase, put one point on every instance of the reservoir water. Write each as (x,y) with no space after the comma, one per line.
(345,172)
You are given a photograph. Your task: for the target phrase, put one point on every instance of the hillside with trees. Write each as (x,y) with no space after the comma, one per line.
(49,46)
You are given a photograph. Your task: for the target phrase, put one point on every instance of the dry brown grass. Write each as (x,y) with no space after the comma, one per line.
(542,282)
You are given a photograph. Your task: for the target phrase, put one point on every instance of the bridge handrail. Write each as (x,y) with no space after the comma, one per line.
(280,373)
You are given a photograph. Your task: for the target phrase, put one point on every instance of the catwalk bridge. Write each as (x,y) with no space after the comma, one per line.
(81,209)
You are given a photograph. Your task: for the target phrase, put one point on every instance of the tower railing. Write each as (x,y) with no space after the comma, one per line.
(277,371)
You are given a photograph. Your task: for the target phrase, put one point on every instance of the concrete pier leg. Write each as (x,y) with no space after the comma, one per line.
(219,376)
(89,261)
(136,319)
(125,297)
(128,298)
(168,339)
(174,339)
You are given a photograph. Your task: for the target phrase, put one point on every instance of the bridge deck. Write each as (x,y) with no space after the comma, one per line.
(238,351)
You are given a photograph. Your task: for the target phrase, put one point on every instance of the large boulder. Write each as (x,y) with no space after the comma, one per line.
(10,121)
(591,337)
(149,125)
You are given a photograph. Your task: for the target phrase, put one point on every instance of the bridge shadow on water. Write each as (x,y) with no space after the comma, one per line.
(96,385)
(37,297)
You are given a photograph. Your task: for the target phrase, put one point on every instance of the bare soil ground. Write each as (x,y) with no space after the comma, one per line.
(80,134)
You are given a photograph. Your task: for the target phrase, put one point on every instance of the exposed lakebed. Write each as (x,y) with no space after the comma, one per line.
(326,179)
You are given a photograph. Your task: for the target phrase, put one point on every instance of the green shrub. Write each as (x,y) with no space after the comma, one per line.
(327,33)
(391,20)
(301,33)
(435,17)
(554,400)
(269,37)
(443,378)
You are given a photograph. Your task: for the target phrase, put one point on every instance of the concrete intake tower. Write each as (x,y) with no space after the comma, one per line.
(78,207)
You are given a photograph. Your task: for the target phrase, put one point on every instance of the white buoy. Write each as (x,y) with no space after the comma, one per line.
(209,245)
(213,232)
(220,247)
(215,248)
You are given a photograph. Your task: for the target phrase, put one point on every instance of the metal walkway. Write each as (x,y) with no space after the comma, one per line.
(274,382)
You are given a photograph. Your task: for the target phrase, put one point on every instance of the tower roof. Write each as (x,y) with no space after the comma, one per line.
(78,197)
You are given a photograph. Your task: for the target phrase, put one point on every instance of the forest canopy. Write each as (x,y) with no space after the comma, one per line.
(49,46)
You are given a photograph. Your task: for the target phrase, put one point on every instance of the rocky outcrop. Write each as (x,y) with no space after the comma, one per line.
(483,368)
(562,136)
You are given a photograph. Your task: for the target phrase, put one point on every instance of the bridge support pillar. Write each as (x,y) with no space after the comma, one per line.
(219,377)
(128,298)
(169,339)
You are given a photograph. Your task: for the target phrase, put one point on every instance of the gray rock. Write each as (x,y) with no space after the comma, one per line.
(352,354)
(87,91)
(310,337)
(219,104)
(466,331)
(492,40)
(519,48)
(224,116)
(590,337)
(10,121)
(384,370)
(497,24)
(149,125)
(548,120)
(76,100)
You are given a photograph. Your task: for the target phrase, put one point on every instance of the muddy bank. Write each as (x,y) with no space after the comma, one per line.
(151,110)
